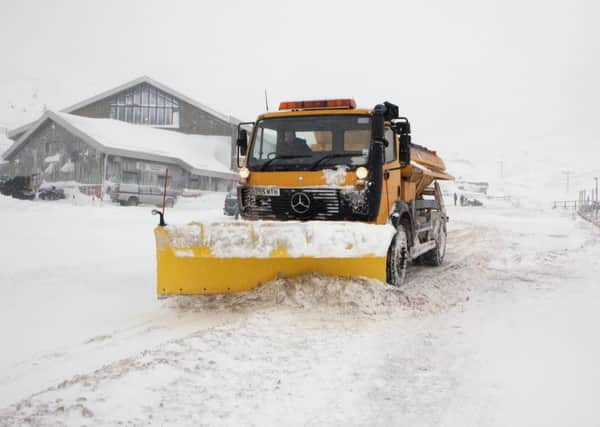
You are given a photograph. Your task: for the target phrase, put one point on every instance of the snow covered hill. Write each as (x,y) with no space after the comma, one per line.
(502,334)
(533,170)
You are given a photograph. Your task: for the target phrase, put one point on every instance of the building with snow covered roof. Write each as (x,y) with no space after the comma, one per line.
(129,133)
(66,147)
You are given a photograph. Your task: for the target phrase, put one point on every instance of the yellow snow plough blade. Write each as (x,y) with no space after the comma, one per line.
(229,257)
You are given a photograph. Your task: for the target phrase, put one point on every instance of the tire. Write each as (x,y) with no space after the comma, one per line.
(170,203)
(435,257)
(397,257)
(133,201)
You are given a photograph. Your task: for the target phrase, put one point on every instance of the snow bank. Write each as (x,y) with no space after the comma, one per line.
(310,291)
(248,239)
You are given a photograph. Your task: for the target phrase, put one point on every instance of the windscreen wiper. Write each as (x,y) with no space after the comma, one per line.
(334,155)
(268,162)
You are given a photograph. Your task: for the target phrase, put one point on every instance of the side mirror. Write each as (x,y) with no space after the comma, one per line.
(404,156)
(242,141)
(391,111)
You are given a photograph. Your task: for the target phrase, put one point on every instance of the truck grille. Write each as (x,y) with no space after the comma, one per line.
(325,204)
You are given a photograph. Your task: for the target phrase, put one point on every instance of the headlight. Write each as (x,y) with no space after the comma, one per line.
(244,173)
(361,172)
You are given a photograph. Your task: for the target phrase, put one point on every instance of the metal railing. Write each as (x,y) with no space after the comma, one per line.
(565,204)
(590,211)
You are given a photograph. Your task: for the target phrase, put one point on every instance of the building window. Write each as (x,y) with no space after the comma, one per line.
(51,148)
(146,105)
(128,177)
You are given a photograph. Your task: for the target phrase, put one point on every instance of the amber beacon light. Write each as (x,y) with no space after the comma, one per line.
(317,104)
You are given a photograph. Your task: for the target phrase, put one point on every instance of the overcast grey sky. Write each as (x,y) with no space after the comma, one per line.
(463,71)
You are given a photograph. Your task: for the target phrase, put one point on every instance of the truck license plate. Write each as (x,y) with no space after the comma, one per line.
(266,191)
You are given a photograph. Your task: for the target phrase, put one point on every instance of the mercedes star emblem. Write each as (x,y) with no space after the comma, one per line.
(300,203)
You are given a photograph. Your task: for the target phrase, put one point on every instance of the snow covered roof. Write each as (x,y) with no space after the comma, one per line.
(207,155)
(143,79)
(5,144)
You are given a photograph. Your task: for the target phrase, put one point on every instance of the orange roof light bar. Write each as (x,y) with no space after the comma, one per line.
(317,104)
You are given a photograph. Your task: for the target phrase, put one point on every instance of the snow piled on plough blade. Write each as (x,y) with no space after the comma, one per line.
(227,257)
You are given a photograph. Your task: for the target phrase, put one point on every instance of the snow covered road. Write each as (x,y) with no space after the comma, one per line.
(504,333)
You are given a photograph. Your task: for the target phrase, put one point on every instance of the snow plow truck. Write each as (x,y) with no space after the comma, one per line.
(324,187)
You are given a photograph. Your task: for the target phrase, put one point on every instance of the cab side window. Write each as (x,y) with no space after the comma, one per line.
(390,150)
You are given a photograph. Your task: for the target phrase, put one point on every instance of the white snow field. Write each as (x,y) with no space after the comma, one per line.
(505,333)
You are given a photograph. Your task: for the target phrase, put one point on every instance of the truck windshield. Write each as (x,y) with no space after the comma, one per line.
(310,142)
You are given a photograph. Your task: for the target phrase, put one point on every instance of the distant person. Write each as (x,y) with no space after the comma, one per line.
(462,199)
(455,197)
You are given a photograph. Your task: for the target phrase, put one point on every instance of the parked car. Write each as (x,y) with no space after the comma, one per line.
(135,194)
(4,187)
(18,187)
(471,201)
(51,193)
(230,206)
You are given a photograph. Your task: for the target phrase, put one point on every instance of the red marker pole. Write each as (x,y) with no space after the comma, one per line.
(165,191)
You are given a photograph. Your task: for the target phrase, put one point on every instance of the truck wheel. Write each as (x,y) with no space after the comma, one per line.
(133,201)
(170,203)
(397,257)
(435,257)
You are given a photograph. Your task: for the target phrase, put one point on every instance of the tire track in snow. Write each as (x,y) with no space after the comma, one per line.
(253,352)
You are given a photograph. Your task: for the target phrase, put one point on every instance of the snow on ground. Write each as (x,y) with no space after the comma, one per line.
(504,333)
(75,266)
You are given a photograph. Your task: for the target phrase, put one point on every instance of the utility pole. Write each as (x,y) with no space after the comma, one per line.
(596,205)
(567,173)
